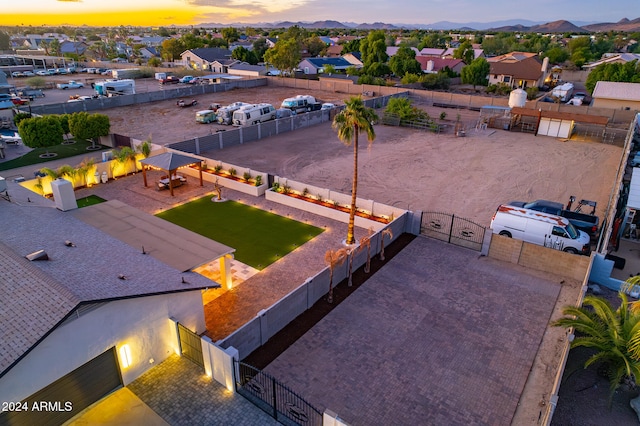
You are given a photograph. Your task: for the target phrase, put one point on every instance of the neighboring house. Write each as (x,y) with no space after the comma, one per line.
(518,70)
(430,51)
(433,64)
(73,47)
(334,51)
(98,312)
(354,58)
(152,41)
(613,94)
(149,52)
(204,57)
(246,44)
(477,53)
(222,66)
(327,40)
(316,65)
(242,68)
(613,58)
(392,50)
(271,41)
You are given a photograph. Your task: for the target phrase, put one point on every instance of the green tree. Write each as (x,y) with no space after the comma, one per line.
(245,55)
(285,55)
(314,45)
(628,72)
(154,62)
(609,332)
(403,108)
(373,48)
(230,34)
(171,49)
(351,46)
(557,55)
(87,126)
(259,48)
(4,41)
(476,72)
(349,123)
(404,61)
(465,52)
(41,132)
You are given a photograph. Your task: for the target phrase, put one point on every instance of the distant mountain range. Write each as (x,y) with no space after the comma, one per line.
(520,25)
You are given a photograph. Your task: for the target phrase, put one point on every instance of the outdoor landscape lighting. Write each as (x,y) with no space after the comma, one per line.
(125,356)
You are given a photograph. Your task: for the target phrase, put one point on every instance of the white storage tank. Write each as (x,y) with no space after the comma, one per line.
(517,98)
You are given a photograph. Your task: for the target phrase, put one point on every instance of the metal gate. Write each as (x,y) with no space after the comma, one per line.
(452,229)
(274,398)
(190,345)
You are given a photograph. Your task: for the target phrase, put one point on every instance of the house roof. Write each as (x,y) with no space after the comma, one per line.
(432,51)
(336,62)
(620,58)
(37,296)
(616,90)
(247,67)
(525,68)
(210,54)
(438,63)
(392,50)
(169,161)
(512,57)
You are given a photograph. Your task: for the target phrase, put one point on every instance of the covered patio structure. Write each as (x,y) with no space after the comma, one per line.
(170,162)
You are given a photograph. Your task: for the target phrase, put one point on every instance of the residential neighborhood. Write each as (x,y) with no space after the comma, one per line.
(321,224)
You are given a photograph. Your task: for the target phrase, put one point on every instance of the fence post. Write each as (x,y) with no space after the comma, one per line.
(275,409)
(453,217)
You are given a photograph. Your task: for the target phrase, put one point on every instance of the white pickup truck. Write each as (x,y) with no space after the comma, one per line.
(72,84)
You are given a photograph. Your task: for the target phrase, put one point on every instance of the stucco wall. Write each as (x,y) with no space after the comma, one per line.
(633,105)
(142,323)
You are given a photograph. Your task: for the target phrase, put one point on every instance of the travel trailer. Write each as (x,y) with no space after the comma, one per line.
(225,114)
(301,103)
(115,87)
(254,114)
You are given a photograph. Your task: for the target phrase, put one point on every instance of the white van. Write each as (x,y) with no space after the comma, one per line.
(540,228)
(254,114)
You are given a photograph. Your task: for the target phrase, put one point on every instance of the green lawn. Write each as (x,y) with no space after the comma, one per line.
(259,237)
(63,151)
(89,201)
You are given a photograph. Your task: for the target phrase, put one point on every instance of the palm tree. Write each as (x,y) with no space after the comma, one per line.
(614,334)
(355,118)
(85,167)
(365,241)
(333,258)
(385,232)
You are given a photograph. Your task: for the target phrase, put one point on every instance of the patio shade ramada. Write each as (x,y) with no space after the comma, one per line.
(170,162)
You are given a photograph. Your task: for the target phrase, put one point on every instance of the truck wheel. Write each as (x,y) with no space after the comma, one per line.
(505,234)
(571,250)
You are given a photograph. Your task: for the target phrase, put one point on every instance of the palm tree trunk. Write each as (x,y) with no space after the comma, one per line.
(350,254)
(354,188)
(330,296)
(367,266)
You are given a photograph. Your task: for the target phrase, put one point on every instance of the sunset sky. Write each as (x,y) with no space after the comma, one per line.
(194,12)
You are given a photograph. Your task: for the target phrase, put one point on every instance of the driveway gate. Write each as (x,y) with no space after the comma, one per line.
(452,229)
(190,345)
(274,398)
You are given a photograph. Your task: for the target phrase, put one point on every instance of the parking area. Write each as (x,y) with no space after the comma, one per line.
(423,343)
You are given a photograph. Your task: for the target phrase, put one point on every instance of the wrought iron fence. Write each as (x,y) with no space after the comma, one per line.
(452,229)
(274,398)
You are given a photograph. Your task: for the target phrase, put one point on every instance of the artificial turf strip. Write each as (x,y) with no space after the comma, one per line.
(63,151)
(259,237)
(89,201)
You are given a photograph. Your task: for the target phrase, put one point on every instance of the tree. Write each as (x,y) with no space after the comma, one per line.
(41,132)
(349,123)
(172,48)
(245,55)
(154,62)
(334,258)
(259,48)
(373,48)
(557,55)
(465,52)
(314,45)
(230,34)
(609,332)
(285,55)
(476,72)
(628,72)
(404,61)
(87,126)
(5,41)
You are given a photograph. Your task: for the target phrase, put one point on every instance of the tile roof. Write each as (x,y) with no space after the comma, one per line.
(36,296)
(529,68)
(616,90)
(438,63)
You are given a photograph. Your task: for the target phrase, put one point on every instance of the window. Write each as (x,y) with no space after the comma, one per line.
(560,232)
(507,79)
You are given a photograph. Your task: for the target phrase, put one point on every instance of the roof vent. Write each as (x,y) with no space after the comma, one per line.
(38,255)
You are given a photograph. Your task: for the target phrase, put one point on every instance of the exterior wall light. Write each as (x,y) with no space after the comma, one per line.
(125,356)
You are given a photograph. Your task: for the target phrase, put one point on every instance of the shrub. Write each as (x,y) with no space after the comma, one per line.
(532,93)
(246,176)
(258,180)
(443,115)
(232,171)
(217,168)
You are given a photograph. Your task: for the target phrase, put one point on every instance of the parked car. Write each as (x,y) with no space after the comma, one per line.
(186,79)
(17,100)
(17,74)
(72,84)
(284,113)
(183,104)
(43,73)
(539,228)
(28,74)
(79,98)
(327,105)
(170,79)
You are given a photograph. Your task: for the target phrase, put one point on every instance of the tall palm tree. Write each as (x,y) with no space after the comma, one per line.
(334,258)
(349,123)
(610,332)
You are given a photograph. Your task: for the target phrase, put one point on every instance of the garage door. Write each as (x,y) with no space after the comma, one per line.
(81,388)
